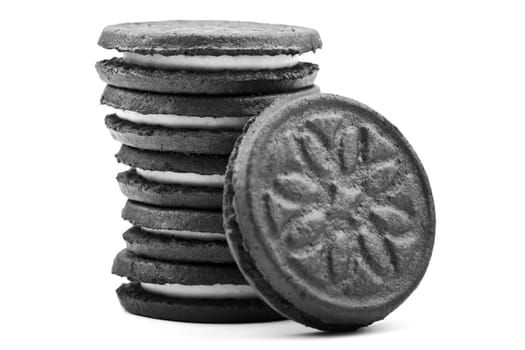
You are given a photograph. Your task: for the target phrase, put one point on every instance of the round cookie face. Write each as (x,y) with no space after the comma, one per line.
(213,38)
(174,248)
(137,188)
(118,73)
(334,222)
(137,301)
(161,218)
(172,161)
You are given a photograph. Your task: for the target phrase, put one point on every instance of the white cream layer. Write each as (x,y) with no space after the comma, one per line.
(190,179)
(211,63)
(183,121)
(215,291)
(204,236)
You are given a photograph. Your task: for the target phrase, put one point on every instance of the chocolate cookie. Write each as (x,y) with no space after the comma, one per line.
(193,105)
(225,114)
(140,269)
(160,218)
(204,164)
(170,247)
(333,223)
(117,72)
(213,38)
(188,291)
(136,300)
(137,188)
(153,137)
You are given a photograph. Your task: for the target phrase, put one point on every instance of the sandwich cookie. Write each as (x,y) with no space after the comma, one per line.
(328,212)
(175,234)
(209,40)
(184,123)
(209,57)
(172,179)
(184,223)
(117,72)
(215,293)
(167,245)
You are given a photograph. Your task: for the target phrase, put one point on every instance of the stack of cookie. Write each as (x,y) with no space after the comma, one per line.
(181,93)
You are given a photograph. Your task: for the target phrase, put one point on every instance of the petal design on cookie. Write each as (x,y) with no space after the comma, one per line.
(279,210)
(306,230)
(390,220)
(348,149)
(381,177)
(315,155)
(312,261)
(291,158)
(325,129)
(296,187)
(378,147)
(402,198)
(374,251)
(338,257)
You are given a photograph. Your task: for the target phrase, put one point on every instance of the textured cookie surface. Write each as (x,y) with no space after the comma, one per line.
(137,301)
(162,218)
(194,105)
(158,138)
(141,269)
(335,223)
(137,188)
(118,73)
(172,248)
(172,161)
(209,38)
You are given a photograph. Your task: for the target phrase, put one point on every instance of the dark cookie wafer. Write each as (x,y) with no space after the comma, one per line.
(140,269)
(213,38)
(172,248)
(117,72)
(194,105)
(334,222)
(161,218)
(137,301)
(137,188)
(152,137)
(172,161)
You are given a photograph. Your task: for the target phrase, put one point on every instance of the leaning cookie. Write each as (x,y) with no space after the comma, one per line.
(213,293)
(184,123)
(328,212)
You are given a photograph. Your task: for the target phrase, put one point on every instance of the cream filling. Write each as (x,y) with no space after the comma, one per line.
(190,179)
(205,236)
(183,121)
(215,291)
(211,63)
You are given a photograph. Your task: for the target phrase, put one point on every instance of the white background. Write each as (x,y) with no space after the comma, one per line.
(450,75)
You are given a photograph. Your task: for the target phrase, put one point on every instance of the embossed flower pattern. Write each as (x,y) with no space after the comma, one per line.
(342,214)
